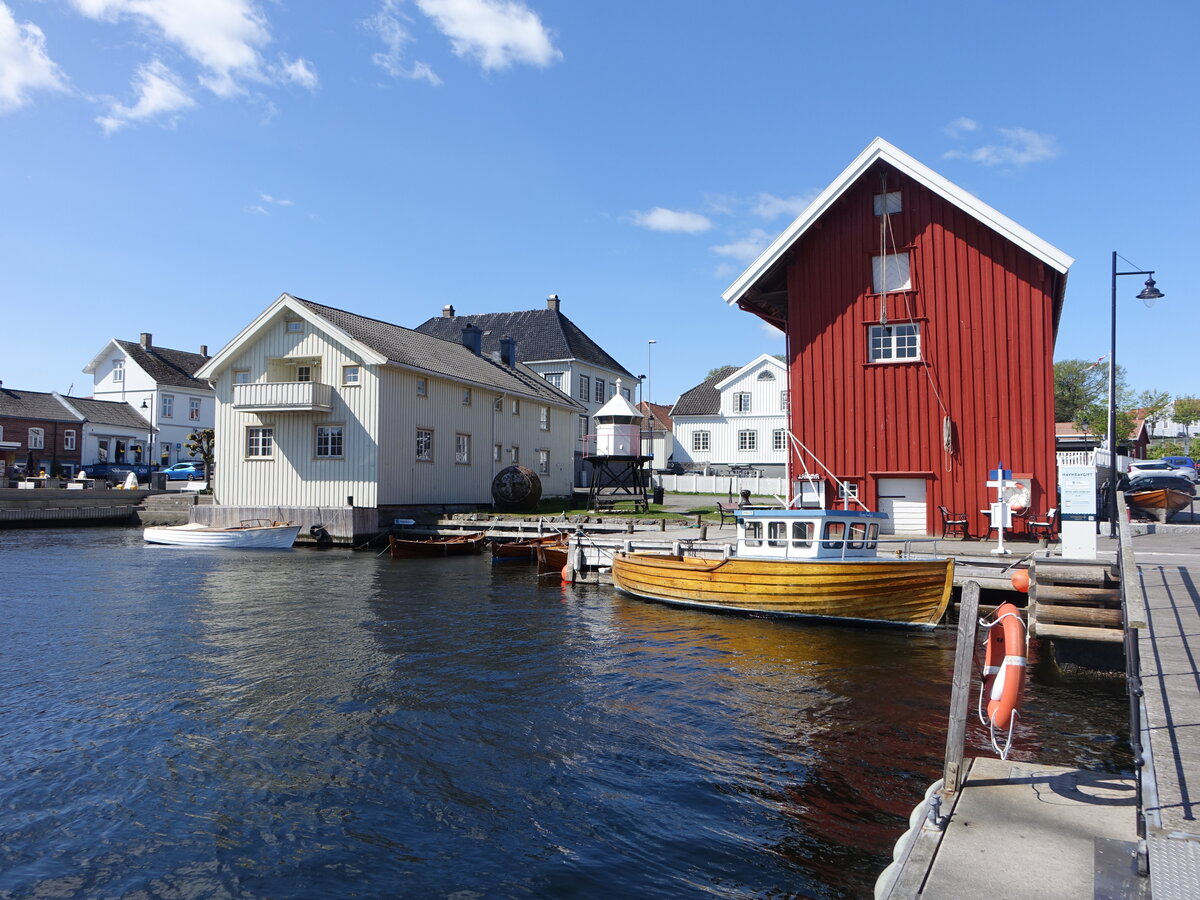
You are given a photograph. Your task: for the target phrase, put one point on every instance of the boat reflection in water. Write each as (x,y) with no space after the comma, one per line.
(798,562)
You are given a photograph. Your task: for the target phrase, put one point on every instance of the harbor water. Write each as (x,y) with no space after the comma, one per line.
(299,724)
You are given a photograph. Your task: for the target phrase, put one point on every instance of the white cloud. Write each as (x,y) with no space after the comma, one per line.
(746,249)
(274,201)
(1019,147)
(496,33)
(223,36)
(298,71)
(390,25)
(770,330)
(659,219)
(768,206)
(159,96)
(960,127)
(24,65)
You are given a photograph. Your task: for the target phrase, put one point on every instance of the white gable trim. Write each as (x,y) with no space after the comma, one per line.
(90,368)
(210,369)
(880,149)
(749,367)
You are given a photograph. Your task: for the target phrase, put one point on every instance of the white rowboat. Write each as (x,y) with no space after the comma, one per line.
(251,534)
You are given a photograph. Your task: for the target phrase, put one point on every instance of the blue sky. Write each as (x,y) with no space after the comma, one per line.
(172,166)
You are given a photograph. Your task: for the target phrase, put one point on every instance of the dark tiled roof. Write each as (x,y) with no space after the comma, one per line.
(168,367)
(540,334)
(704,399)
(109,412)
(451,359)
(34,405)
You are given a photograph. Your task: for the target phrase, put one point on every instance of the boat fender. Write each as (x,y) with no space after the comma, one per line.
(1004,664)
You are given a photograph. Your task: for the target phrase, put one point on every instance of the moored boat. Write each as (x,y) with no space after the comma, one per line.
(551,559)
(456,545)
(250,534)
(524,550)
(798,563)
(1159,497)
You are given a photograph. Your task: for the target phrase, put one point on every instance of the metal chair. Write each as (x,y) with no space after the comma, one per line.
(952,522)
(1043,527)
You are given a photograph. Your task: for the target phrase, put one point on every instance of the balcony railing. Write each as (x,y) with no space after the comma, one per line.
(283,396)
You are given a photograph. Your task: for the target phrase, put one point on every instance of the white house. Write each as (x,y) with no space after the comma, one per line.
(558,350)
(322,409)
(735,418)
(161,383)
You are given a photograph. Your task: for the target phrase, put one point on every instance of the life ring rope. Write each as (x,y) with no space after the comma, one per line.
(1005,663)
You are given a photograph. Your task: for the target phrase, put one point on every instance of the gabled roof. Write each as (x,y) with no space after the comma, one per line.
(381,343)
(657,412)
(108,412)
(765,358)
(34,405)
(168,368)
(877,150)
(704,399)
(541,334)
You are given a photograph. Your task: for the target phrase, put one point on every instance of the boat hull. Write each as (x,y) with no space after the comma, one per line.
(551,559)
(270,537)
(1159,504)
(523,551)
(459,545)
(904,592)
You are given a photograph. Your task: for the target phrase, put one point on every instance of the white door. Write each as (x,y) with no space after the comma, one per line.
(904,500)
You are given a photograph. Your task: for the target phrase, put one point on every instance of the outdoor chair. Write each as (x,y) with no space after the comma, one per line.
(1043,527)
(953,522)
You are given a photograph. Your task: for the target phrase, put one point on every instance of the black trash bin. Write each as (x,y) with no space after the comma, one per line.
(658,494)
(158,481)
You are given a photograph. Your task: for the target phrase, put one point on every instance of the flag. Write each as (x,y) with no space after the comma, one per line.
(1097,362)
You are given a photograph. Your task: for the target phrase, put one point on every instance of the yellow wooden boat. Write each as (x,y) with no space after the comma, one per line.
(798,562)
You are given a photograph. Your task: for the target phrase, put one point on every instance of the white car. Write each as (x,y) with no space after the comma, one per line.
(1161,467)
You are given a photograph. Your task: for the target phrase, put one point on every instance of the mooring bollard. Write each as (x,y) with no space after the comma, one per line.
(704,532)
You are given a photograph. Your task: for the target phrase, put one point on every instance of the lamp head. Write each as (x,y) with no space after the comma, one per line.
(144,404)
(1150,292)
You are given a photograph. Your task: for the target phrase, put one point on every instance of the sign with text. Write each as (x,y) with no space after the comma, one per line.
(1077,485)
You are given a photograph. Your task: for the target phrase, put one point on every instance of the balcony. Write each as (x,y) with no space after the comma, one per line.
(283,396)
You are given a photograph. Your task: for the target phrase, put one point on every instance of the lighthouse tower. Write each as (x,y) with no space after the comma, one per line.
(618,468)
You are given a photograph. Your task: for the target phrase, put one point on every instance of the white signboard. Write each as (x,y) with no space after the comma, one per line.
(1077,496)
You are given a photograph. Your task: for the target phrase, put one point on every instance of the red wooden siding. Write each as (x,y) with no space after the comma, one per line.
(986,312)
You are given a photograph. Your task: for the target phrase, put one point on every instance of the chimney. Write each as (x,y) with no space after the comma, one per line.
(508,351)
(147,341)
(472,338)
(447,311)
(552,302)
(204,350)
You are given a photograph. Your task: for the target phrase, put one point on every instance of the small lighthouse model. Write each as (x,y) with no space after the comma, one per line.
(618,468)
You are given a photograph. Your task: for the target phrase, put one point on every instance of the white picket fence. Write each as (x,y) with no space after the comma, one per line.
(690,483)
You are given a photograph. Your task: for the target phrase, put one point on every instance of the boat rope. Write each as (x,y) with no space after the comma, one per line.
(798,445)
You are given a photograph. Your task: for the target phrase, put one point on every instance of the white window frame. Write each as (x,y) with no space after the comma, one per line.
(544,418)
(166,404)
(514,453)
(351,375)
(554,378)
(260,442)
(466,396)
(304,373)
(497,452)
(785,400)
(69,439)
(891,273)
(599,395)
(847,490)
(543,463)
(766,375)
(701,441)
(747,440)
(422,387)
(194,409)
(462,449)
(516,406)
(293,326)
(118,370)
(895,343)
(585,387)
(334,438)
(779,439)
(742,401)
(241,376)
(424,445)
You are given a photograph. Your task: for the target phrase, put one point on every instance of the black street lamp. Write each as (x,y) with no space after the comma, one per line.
(1149,292)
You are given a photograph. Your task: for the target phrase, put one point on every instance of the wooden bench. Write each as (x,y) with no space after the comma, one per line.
(726,511)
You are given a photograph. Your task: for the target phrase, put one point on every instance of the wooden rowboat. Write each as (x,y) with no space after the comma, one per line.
(524,550)
(798,563)
(551,560)
(251,534)
(1159,504)
(458,545)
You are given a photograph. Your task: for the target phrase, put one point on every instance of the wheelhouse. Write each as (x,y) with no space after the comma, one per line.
(808,533)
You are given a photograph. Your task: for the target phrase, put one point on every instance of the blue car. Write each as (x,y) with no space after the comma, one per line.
(193,470)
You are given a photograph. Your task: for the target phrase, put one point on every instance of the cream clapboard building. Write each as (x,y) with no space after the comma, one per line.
(322,409)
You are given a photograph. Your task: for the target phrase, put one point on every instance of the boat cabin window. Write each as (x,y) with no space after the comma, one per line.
(777,533)
(858,534)
(835,533)
(802,534)
(753,534)
(872,535)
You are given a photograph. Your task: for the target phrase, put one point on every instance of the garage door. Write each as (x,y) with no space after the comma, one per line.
(904,500)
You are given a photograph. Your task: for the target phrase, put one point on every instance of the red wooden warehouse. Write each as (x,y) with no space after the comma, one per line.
(920,325)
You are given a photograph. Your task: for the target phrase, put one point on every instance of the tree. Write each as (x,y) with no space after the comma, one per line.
(202,443)
(1079,385)
(1187,414)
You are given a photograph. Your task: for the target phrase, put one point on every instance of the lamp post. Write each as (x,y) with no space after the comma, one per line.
(649,386)
(1149,292)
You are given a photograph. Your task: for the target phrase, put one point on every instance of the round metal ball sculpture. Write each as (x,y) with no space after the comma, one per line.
(516,489)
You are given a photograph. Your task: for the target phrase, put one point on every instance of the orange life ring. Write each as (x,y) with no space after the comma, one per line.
(1004,665)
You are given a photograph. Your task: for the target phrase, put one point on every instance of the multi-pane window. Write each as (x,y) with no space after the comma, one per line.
(847,490)
(260,441)
(766,375)
(351,374)
(167,404)
(118,370)
(329,441)
(741,402)
(887,203)
(585,387)
(785,400)
(295,326)
(701,440)
(462,448)
(555,378)
(69,439)
(466,397)
(748,439)
(779,439)
(600,390)
(304,373)
(895,342)
(424,444)
(544,418)
(890,273)
(543,462)
(193,408)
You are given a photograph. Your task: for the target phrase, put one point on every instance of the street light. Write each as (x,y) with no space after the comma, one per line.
(649,386)
(1149,292)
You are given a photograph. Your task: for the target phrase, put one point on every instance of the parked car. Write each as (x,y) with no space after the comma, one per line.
(192,470)
(1159,467)
(1183,462)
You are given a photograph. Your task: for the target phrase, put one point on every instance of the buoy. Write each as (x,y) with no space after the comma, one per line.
(1020,580)
(566,574)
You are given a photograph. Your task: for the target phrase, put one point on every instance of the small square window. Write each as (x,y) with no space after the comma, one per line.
(241,376)
(890,273)
(701,440)
(887,203)
(351,375)
(294,326)
(304,373)
(329,441)
(895,343)
(260,442)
